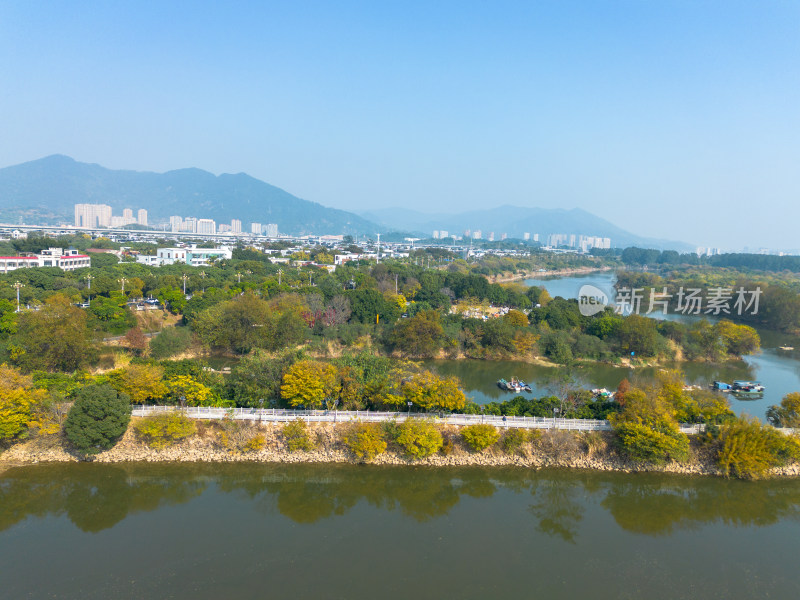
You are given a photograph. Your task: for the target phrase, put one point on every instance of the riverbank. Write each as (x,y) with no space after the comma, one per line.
(560,449)
(506,278)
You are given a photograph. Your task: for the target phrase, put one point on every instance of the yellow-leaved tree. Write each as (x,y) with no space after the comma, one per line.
(20,403)
(308,383)
(186,390)
(140,382)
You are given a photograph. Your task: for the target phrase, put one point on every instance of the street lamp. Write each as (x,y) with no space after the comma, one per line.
(483,408)
(280,272)
(123,281)
(89,286)
(203,275)
(556,410)
(409,409)
(19,286)
(184,277)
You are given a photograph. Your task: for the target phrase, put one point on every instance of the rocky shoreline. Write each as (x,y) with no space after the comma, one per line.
(205,448)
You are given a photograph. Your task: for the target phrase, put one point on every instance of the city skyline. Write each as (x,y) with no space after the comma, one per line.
(686,111)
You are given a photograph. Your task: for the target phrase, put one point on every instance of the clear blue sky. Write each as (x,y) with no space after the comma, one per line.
(671,119)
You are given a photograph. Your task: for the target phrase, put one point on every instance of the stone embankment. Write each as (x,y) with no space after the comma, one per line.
(571,450)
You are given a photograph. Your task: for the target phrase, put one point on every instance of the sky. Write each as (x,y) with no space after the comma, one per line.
(672,119)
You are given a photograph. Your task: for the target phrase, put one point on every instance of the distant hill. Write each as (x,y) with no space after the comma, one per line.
(515,221)
(51,186)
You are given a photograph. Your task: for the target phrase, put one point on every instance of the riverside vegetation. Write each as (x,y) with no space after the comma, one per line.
(645,435)
(342,342)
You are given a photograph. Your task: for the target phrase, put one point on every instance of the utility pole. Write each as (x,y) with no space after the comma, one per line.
(203,275)
(378,255)
(238,278)
(395,284)
(19,286)
(89,285)
(280,272)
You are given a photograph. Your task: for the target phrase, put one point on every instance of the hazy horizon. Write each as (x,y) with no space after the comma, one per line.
(671,120)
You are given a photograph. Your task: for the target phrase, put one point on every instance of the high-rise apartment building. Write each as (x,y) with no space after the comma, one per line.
(92,215)
(206,227)
(236,226)
(272,230)
(255,228)
(141,217)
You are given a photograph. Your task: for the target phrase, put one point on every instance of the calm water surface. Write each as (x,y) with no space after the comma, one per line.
(310,531)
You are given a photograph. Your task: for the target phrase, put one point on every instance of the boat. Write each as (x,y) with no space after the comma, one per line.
(603,394)
(721,386)
(515,385)
(747,389)
(787,348)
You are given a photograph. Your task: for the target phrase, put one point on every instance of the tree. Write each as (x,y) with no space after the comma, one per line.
(365,441)
(638,334)
(185,389)
(140,382)
(788,413)
(170,341)
(136,340)
(18,403)
(53,338)
(308,383)
(419,438)
(748,449)
(431,392)
(97,419)
(421,335)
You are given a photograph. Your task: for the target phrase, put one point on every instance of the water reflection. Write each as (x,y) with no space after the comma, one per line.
(97,497)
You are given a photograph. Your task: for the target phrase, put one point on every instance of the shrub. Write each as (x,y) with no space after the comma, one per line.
(171,341)
(161,431)
(748,449)
(788,413)
(97,419)
(644,444)
(595,442)
(239,436)
(255,443)
(480,437)
(365,441)
(558,443)
(419,438)
(513,440)
(297,437)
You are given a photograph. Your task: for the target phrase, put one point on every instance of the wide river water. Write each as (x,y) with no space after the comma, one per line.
(183,531)
(778,370)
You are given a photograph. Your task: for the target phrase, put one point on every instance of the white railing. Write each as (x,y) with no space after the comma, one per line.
(344,416)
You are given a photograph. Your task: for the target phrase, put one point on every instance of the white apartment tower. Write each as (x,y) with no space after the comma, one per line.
(206,227)
(92,215)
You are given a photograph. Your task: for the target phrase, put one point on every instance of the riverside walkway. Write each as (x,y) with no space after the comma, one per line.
(366,416)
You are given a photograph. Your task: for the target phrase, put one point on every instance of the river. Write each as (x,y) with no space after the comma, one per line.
(777,369)
(94,531)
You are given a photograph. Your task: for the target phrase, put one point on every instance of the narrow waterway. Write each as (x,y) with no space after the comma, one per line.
(94,531)
(778,370)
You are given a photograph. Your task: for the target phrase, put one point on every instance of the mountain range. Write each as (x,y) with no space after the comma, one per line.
(45,191)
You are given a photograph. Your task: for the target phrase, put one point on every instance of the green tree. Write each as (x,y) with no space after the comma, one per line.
(421,335)
(53,338)
(97,419)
